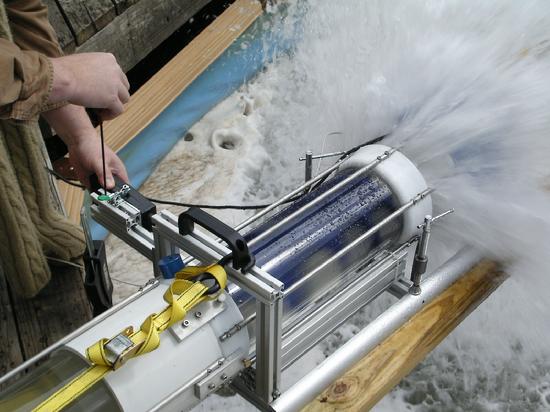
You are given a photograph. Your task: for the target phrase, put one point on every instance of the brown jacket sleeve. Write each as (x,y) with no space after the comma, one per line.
(26,73)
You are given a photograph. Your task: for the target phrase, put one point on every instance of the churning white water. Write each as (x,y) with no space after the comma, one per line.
(463,88)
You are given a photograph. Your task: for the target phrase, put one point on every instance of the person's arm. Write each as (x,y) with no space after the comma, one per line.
(26,79)
(34,76)
(30,27)
(34,36)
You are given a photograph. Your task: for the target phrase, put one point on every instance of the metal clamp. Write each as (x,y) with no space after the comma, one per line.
(420,262)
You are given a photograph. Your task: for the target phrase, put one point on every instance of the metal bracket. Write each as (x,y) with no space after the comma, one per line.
(219,375)
(199,316)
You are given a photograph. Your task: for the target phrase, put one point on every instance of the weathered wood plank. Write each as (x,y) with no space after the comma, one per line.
(161,90)
(64,34)
(56,311)
(376,374)
(102,12)
(141,28)
(85,18)
(10,349)
(121,5)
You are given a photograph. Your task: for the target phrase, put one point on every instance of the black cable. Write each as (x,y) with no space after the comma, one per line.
(174,203)
(219,207)
(238,207)
(349,152)
(103,156)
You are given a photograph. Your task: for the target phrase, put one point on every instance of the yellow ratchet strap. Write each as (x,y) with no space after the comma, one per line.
(181,295)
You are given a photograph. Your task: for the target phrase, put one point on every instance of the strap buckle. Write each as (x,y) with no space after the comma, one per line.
(121,348)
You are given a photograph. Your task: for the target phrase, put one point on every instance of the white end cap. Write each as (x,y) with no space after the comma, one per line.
(403,178)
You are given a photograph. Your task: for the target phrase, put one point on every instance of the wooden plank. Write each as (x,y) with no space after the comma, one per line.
(376,374)
(141,28)
(165,86)
(10,349)
(85,18)
(102,12)
(121,5)
(64,34)
(56,311)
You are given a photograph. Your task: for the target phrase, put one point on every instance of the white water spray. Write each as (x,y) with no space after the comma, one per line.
(463,88)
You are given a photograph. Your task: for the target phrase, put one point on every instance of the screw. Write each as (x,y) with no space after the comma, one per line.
(211,386)
(276,394)
(224,377)
(185,323)
(198,315)
(220,299)
(415,290)
(220,362)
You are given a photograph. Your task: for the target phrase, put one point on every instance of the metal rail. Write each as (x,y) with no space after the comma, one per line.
(290,195)
(305,390)
(318,199)
(153,283)
(361,238)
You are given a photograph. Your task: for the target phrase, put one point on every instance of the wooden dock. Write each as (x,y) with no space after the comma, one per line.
(130,29)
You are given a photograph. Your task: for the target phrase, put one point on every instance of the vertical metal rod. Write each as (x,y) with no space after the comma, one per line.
(309,168)
(278,345)
(265,351)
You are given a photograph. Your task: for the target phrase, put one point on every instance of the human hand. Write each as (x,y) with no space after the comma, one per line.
(85,157)
(93,80)
(73,126)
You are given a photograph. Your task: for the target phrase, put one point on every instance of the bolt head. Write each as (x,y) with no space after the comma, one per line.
(185,323)
(224,377)
(211,386)
(198,315)
(415,290)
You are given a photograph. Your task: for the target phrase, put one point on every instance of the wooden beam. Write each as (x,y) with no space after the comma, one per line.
(85,18)
(64,34)
(383,368)
(166,85)
(140,28)
(28,326)
(61,307)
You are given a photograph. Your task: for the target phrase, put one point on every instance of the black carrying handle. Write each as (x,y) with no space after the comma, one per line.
(243,260)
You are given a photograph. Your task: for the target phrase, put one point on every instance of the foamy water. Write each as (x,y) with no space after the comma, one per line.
(464,89)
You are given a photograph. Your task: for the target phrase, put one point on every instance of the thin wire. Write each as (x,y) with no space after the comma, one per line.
(127,283)
(103,155)
(174,203)
(323,149)
(65,262)
(220,207)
